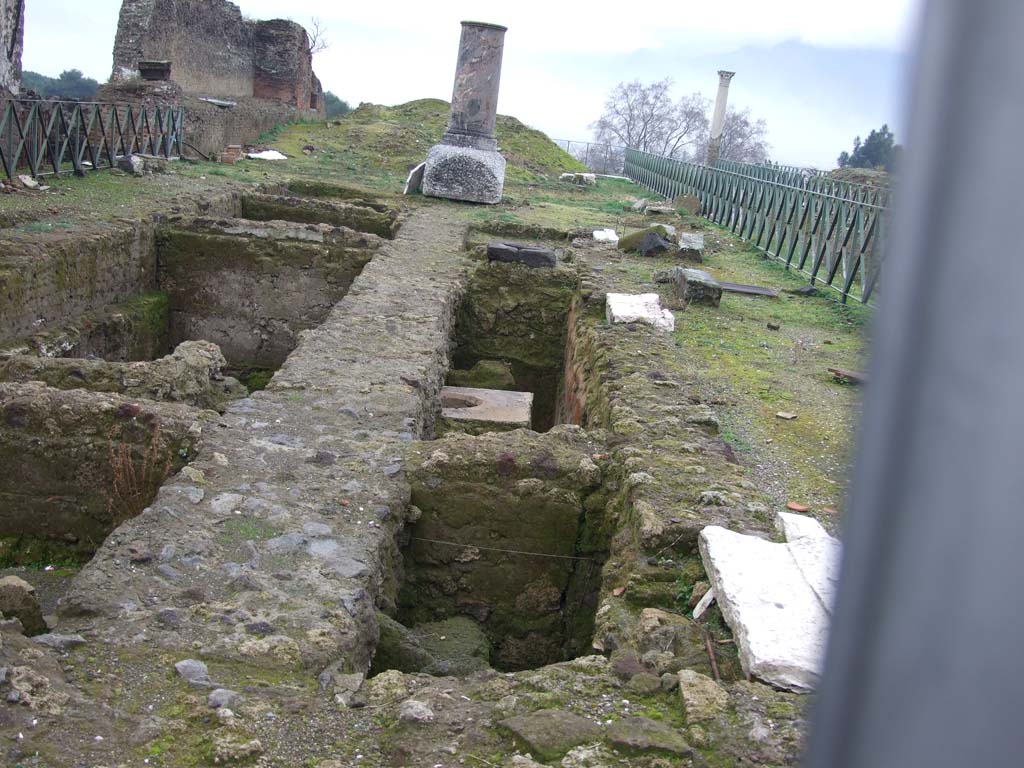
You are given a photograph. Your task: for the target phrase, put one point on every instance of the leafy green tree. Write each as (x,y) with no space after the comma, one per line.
(70,84)
(335,107)
(879,150)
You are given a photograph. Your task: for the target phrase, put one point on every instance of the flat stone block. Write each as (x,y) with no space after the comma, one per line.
(464,173)
(415,179)
(550,733)
(691,246)
(515,253)
(777,599)
(475,411)
(638,308)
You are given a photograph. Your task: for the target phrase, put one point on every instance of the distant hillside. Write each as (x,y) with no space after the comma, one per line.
(395,138)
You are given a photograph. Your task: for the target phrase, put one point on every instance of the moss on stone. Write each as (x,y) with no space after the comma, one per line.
(485,374)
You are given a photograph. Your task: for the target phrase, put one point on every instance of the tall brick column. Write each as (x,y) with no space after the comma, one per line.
(466,164)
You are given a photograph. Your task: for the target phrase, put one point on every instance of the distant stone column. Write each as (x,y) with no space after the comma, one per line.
(466,164)
(12,31)
(718,121)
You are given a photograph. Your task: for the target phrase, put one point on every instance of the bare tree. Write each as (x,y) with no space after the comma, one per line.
(744,139)
(317,36)
(644,117)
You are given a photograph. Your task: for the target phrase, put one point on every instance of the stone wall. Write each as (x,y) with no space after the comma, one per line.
(49,278)
(209,45)
(214,52)
(78,463)
(253,288)
(482,503)
(284,67)
(192,374)
(12,28)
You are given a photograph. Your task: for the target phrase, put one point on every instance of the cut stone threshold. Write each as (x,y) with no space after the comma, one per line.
(776,598)
(475,411)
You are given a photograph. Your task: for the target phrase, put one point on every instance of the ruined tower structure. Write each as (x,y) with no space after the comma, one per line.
(12,30)
(237,77)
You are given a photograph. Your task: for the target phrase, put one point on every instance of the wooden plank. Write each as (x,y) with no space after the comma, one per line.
(750,290)
(853,376)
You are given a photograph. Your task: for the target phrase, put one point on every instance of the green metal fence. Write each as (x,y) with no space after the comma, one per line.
(831,230)
(40,138)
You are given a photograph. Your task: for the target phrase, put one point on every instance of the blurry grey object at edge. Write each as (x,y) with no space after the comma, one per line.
(924,666)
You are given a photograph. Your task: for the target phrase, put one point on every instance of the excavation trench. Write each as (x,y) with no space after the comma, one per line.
(97,413)
(511,335)
(501,565)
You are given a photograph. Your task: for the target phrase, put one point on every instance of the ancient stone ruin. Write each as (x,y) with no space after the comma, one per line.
(238,77)
(12,30)
(341,478)
(466,165)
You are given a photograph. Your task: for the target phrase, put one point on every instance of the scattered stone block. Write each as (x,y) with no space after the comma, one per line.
(28,182)
(776,598)
(689,203)
(633,241)
(475,411)
(59,642)
(516,253)
(703,698)
(643,735)
(695,286)
(606,236)
(222,697)
(414,182)
(654,244)
(416,711)
(550,733)
(639,206)
(795,527)
(660,210)
(18,600)
(638,308)
(132,164)
(231,154)
(194,672)
(691,247)
(580,179)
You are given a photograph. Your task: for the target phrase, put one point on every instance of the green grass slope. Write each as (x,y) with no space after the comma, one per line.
(380,144)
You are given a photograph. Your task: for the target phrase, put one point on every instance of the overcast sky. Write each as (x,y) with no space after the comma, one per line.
(818,72)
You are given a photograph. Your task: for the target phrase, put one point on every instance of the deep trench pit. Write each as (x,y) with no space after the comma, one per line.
(91,446)
(510,335)
(502,566)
